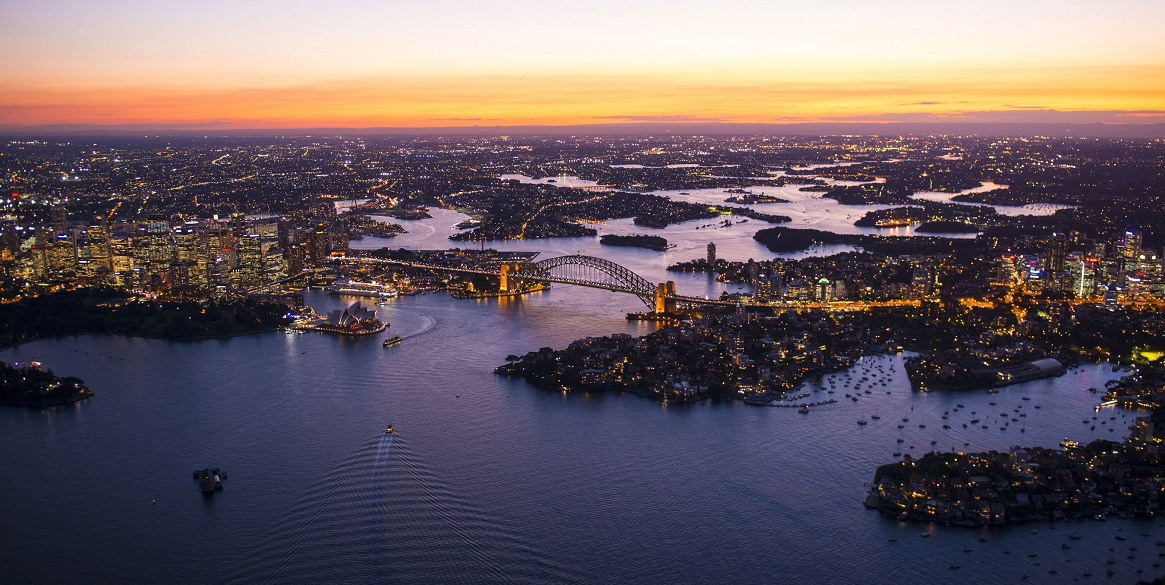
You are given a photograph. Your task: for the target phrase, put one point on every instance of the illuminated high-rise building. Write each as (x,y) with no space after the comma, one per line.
(823,290)
(920,283)
(191,256)
(1056,252)
(1080,275)
(250,260)
(1129,246)
(121,257)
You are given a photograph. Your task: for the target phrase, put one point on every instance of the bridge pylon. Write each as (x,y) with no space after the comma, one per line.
(508,280)
(664,303)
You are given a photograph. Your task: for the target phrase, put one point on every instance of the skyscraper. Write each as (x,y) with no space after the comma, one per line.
(1056,252)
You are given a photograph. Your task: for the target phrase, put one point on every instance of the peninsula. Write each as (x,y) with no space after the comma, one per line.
(28,384)
(109,311)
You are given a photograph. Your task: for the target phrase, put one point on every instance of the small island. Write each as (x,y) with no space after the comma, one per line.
(749,198)
(639,241)
(28,384)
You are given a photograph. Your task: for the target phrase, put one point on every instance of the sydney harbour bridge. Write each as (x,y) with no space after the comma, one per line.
(578,270)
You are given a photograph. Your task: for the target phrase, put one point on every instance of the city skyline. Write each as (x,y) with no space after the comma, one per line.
(451,64)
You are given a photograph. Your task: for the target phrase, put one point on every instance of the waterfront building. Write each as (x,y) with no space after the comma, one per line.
(356,319)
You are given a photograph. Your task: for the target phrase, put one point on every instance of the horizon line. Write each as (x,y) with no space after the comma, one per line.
(676,127)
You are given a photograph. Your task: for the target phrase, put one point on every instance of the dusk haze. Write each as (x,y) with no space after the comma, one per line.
(257,64)
(525,292)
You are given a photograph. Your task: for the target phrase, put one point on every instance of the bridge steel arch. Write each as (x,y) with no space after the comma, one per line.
(590,271)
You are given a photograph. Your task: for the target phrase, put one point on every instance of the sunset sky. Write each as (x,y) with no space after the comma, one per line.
(414,63)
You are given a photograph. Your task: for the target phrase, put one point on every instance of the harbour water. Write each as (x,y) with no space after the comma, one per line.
(488,480)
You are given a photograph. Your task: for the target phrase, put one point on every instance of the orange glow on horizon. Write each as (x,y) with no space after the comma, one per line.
(362,63)
(1123,94)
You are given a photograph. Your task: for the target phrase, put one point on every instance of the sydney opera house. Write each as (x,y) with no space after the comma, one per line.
(356,319)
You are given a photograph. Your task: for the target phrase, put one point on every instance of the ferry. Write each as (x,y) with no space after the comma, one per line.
(392,341)
(343,286)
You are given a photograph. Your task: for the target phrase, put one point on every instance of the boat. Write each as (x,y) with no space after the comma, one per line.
(209,479)
(894,222)
(388,430)
(393,341)
(344,286)
(803,410)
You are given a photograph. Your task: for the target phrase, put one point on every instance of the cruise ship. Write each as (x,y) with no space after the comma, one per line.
(895,222)
(343,286)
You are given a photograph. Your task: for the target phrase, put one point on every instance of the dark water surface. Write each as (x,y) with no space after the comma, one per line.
(488,480)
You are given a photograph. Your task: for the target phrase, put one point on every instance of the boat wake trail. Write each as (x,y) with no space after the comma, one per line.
(428,323)
(383,514)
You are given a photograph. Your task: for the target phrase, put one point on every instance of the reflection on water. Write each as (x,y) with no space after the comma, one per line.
(489,480)
(1029,209)
(733,242)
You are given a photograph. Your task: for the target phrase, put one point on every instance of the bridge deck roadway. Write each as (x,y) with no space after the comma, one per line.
(539,278)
